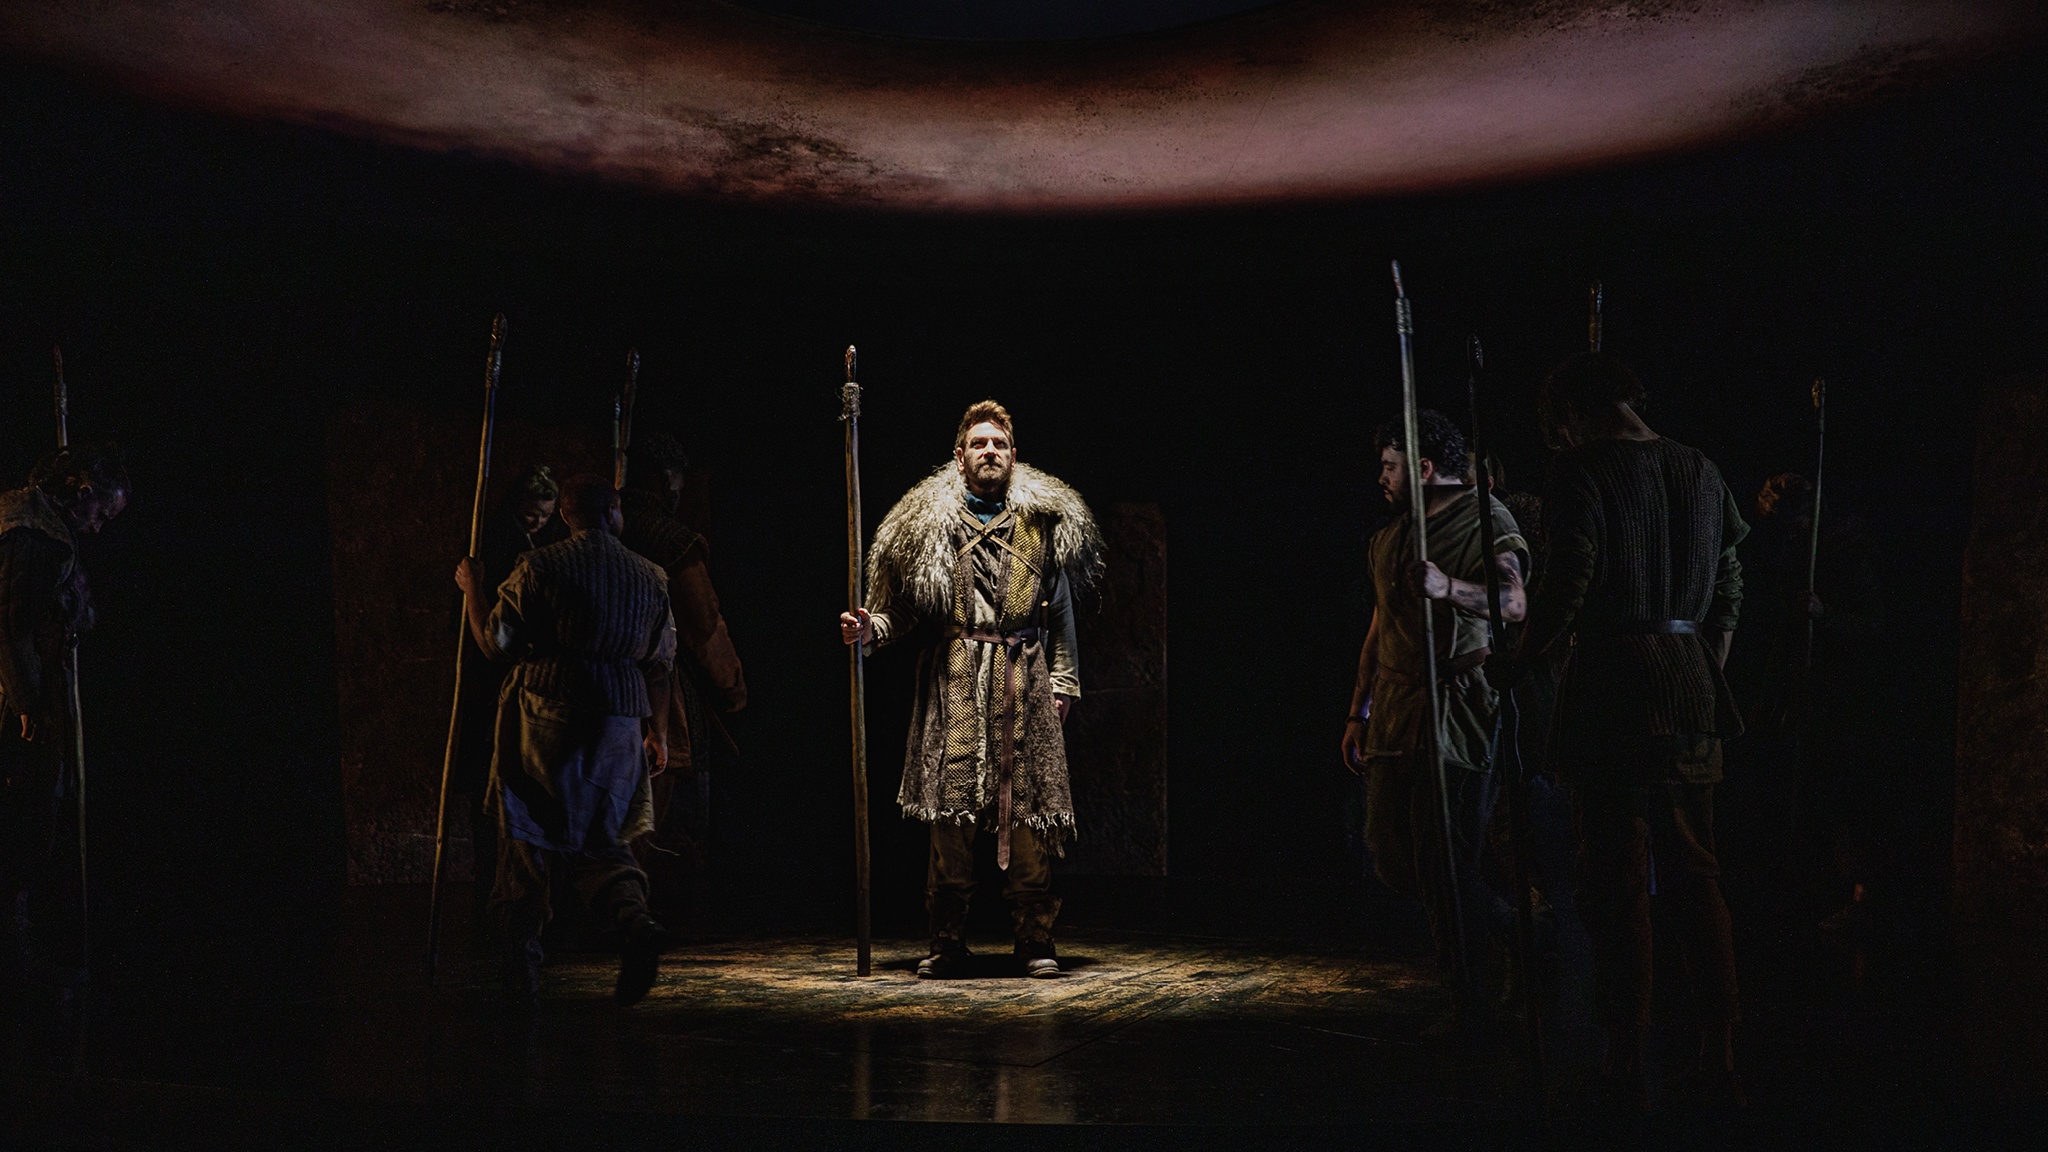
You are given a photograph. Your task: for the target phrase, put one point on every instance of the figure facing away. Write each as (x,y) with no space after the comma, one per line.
(1808,668)
(709,682)
(990,552)
(651,503)
(589,624)
(1386,735)
(44,605)
(1640,578)
(524,519)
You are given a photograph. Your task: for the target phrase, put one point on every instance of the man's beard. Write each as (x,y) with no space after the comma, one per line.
(993,477)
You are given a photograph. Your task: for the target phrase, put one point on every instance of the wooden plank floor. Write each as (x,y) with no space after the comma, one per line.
(1142,1029)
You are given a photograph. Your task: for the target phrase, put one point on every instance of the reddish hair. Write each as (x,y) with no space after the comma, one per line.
(984,412)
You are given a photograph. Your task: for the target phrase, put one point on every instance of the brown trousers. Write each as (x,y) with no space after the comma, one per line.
(949,885)
(30,798)
(1404,830)
(1621,829)
(608,881)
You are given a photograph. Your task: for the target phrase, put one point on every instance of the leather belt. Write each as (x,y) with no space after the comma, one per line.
(1007,761)
(1641,628)
(1446,669)
(992,636)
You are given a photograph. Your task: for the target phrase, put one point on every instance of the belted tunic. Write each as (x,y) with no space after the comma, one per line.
(985,740)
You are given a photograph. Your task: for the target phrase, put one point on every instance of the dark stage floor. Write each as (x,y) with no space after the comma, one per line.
(1161,1036)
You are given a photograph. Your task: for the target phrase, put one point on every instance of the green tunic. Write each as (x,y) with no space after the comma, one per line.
(1395,726)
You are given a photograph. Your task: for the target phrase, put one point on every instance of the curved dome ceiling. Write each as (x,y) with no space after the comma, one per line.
(1007,19)
(1310,99)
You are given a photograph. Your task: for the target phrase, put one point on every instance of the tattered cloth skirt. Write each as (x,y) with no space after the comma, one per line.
(952,772)
(567,780)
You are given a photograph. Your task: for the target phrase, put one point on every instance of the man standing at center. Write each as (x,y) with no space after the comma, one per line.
(1386,736)
(991,551)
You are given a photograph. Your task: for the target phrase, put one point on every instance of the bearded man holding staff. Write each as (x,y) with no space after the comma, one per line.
(992,551)
(1386,733)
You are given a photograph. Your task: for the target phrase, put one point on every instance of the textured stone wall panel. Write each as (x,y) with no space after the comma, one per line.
(1116,738)
(400,481)
(2001,834)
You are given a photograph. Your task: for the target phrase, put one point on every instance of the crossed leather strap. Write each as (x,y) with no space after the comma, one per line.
(1012,644)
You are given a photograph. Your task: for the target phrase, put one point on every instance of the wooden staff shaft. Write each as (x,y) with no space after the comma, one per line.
(74,701)
(1418,520)
(622,419)
(857,602)
(1820,462)
(1517,787)
(493,363)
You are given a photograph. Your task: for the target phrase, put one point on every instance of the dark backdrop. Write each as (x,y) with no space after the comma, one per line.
(221,288)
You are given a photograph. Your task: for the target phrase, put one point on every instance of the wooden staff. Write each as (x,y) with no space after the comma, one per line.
(74,702)
(622,419)
(856,596)
(1418,521)
(1820,460)
(1507,739)
(492,365)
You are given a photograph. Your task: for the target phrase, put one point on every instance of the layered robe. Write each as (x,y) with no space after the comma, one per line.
(985,739)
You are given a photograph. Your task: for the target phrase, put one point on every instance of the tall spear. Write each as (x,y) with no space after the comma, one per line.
(1595,322)
(493,363)
(1820,459)
(1518,795)
(1418,520)
(74,702)
(856,596)
(622,418)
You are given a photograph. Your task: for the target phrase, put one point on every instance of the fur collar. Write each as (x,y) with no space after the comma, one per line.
(913,552)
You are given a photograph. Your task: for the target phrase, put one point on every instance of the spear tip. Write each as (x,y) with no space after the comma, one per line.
(1398,289)
(1820,391)
(1478,353)
(852,363)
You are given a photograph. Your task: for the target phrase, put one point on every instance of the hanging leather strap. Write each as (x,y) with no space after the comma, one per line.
(1008,760)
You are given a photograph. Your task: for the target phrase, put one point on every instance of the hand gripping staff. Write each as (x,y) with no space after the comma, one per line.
(1418,519)
(856,597)
(74,704)
(492,365)
(1507,739)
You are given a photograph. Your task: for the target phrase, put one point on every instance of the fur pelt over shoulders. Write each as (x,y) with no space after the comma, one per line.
(913,549)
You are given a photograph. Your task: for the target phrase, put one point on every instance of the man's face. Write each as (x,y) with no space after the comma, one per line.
(94,508)
(1394,475)
(534,514)
(986,459)
(672,488)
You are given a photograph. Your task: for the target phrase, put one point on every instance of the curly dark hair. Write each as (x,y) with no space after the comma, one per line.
(1583,384)
(100,465)
(1442,444)
(651,457)
(1787,490)
(536,482)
